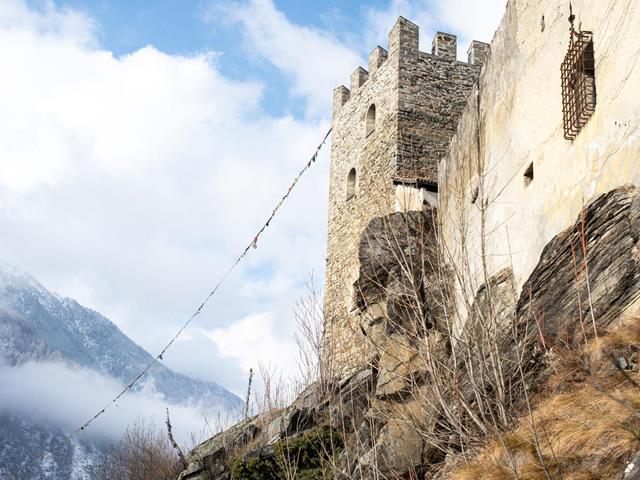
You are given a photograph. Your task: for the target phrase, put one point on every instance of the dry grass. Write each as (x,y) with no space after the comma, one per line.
(587,420)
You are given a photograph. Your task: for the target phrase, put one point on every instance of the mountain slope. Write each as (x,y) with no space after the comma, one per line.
(39,326)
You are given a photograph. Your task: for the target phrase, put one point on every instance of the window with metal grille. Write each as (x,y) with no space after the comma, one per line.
(578,82)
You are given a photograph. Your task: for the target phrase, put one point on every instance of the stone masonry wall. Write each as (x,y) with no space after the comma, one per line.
(418,98)
(433,92)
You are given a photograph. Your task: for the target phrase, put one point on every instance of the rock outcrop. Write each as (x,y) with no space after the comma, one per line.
(589,273)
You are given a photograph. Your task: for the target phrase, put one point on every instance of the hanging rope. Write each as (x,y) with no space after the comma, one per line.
(252,244)
(145,370)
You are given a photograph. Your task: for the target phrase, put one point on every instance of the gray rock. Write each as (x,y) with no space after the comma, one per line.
(621,363)
(632,472)
(292,421)
(613,244)
(396,368)
(207,460)
(353,400)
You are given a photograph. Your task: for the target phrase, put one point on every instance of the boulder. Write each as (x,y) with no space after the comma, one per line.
(396,369)
(352,400)
(292,421)
(397,255)
(207,461)
(398,450)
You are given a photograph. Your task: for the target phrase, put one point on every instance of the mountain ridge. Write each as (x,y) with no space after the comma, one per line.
(39,326)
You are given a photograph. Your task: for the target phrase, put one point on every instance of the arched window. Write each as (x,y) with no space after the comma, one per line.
(351,183)
(370,120)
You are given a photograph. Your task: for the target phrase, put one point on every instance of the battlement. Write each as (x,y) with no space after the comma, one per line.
(376,58)
(358,77)
(477,52)
(403,48)
(403,38)
(445,45)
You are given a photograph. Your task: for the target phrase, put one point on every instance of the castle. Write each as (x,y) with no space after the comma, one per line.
(509,147)
(484,224)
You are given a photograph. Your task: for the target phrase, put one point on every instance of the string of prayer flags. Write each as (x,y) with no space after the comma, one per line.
(254,245)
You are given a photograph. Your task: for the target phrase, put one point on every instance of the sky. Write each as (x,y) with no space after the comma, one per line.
(143,143)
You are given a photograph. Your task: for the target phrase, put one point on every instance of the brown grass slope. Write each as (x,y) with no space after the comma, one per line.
(584,425)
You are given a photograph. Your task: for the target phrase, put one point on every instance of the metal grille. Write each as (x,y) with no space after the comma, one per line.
(578,83)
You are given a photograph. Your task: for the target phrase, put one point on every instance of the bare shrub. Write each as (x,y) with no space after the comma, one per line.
(277,392)
(461,365)
(143,453)
(465,366)
(588,419)
(312,364)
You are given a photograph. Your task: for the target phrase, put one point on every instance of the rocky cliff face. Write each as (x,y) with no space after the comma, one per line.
(589,274)
(429,391)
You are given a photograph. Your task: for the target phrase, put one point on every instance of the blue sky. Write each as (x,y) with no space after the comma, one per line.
(192,26)
(145,141)
(188,27)
(177,27)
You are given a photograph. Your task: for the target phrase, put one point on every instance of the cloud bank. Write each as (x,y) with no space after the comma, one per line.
(67,396)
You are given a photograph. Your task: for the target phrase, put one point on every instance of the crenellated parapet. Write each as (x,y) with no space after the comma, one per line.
(445,45)
(403,38)
(358,77)
(376,58)
(340,97)
(403,48)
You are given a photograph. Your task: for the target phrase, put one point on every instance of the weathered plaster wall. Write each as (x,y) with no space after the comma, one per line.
(418,98)
(514,119)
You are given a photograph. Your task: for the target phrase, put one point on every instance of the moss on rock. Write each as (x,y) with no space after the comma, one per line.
(307,455)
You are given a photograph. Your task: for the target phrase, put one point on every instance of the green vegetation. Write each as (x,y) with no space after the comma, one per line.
(305,457)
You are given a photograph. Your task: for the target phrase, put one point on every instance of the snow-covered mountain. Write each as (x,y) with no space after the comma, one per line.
(39,326)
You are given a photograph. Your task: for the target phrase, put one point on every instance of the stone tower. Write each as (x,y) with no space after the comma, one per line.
(390,130)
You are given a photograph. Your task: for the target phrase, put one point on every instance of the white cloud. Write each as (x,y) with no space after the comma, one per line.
(49,21)
(131,183)
(255,338)
(315,60)
(42,390)
(468,19)
(67,108)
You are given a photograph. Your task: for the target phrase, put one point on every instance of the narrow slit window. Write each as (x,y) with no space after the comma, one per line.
(370,120)
(528,175)
(351,184)
(578,82)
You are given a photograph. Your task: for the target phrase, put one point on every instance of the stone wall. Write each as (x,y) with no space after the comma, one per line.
(418,98)
(492,215)
(433,92)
